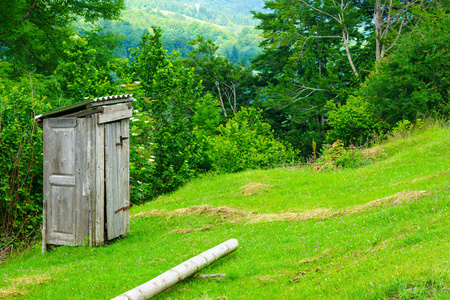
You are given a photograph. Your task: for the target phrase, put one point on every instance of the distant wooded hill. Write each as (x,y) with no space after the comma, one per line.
(228,23)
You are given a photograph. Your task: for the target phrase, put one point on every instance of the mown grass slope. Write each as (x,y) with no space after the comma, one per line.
(377,232)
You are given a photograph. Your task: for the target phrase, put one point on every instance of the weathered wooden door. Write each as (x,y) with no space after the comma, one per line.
(117,191)
(64,204)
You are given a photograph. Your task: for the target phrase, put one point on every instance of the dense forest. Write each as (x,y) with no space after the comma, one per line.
(324,76)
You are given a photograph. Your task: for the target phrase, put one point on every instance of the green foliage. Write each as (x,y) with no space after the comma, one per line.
(178,157)
(87,70)
(337,156)
(32,31)
(167,153)
(405,126)
(246,142)
(20,165)
(142,159)
(352,123)
(414,80)
(207,116)
(226,81)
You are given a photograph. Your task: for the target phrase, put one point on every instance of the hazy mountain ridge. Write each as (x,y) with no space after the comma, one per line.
(217,12)
(229,24)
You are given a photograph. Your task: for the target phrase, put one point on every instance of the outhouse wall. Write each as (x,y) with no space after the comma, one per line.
(86,177)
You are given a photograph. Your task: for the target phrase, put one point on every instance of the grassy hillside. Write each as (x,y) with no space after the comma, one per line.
(376,232)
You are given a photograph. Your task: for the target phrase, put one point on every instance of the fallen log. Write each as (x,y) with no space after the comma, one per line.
(180,272)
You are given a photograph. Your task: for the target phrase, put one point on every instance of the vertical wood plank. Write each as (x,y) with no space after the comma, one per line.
(125,175)
(99,213)
(84,169)
(46,185)
(90,176)
(79,150)
(112,162)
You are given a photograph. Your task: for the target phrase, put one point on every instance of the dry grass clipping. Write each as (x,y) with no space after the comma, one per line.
(265,278)
(187,230)
(234,215)
(308,260)
(303,216)
(224,212)
(415,180)
(255,188)
(372,152)
(390,200)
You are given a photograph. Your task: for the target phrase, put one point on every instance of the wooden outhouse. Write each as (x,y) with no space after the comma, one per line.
(86,171)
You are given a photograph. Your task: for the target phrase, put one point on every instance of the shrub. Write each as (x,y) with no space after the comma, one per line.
(246,142)
(352,123)
(20,166)
(337,156)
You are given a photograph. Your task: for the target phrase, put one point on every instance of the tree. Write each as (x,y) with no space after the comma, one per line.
(219,76)
(33,30)
(167,103)
(414,79)
(88,66)
(392,18)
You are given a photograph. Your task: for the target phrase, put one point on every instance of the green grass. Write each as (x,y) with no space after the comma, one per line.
(395,249)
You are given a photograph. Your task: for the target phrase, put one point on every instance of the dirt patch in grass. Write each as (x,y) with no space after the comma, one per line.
(9,293)
(265,278)
(233,215)
(187,230)
(255,188)
(19,286)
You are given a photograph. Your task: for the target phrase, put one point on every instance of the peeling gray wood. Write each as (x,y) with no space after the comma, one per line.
(80,106)
(63,123)
(114,113)
(62,180)
(59,176)
(84,113)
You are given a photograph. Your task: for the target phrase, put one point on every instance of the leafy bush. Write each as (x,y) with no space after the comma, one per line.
(20,166)
(246,142)
(353,122)
(405,126)
(337,156)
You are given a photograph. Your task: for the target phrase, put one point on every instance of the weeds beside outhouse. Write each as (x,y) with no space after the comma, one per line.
(86,171)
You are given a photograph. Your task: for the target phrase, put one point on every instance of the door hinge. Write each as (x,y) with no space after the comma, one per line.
(122,138)
(123,208)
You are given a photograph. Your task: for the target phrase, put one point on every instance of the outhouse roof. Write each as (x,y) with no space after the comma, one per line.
(91,106)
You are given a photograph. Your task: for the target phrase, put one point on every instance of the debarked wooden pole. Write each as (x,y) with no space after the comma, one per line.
(180,272)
